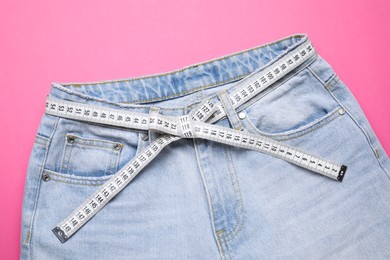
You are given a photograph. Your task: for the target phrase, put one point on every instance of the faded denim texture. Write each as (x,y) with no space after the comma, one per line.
(205,200)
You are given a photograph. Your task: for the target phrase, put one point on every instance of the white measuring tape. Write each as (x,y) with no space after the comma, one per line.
(197,124)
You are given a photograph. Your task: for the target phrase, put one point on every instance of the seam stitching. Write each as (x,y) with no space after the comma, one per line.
(76,183)
(237,191)
(38,186)
(92,145)
(181,92)
(314,128)
(69,157)
(197,64)
(282,137)
(63,158)
(226,246)
(116,164)
(85,141)
(138,106)
(78,178)
(209,198)
(331,82)
(337,79)
(276,84)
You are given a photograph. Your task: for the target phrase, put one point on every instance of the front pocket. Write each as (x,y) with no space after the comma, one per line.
(89,157)
(312,126)
(297,105)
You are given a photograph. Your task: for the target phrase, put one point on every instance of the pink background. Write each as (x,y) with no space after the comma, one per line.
(44,41)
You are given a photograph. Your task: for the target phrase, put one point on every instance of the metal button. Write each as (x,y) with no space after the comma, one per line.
(46,177)
(341,111)
(71,138)
(118,146)
(145,137)
(241,115)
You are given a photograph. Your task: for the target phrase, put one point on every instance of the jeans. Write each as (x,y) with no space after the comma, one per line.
(200,199)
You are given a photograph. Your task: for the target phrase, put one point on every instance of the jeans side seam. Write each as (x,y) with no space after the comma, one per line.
(45,145)
(30,231)
(335,78)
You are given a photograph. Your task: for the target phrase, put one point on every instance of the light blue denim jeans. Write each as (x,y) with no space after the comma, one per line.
(205,200)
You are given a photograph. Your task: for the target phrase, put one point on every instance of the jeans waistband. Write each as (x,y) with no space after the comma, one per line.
(139,94)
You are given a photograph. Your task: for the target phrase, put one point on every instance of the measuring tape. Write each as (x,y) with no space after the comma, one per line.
(197,124)
(260,82)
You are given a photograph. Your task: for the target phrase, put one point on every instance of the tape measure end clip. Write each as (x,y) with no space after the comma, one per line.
(341,174)
(60,234)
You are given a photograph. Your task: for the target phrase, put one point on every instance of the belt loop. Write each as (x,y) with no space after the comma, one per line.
(152,134)
(229,110)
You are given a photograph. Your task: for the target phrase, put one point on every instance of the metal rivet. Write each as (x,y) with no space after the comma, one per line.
(117,146)
(71,138)
(341,111)
(241,115)
(145,137)
(46,177)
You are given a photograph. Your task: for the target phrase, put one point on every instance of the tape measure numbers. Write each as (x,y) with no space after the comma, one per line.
(270,75)
(197,124)
(109,189)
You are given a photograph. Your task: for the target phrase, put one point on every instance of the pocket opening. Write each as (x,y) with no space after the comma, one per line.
(74,179)
(291,108)
(305,129)
(86,156)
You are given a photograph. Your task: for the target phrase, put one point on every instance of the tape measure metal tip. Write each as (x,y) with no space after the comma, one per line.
(341,174)
(60,234)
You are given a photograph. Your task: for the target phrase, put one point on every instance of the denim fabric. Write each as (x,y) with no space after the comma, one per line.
(205,200)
